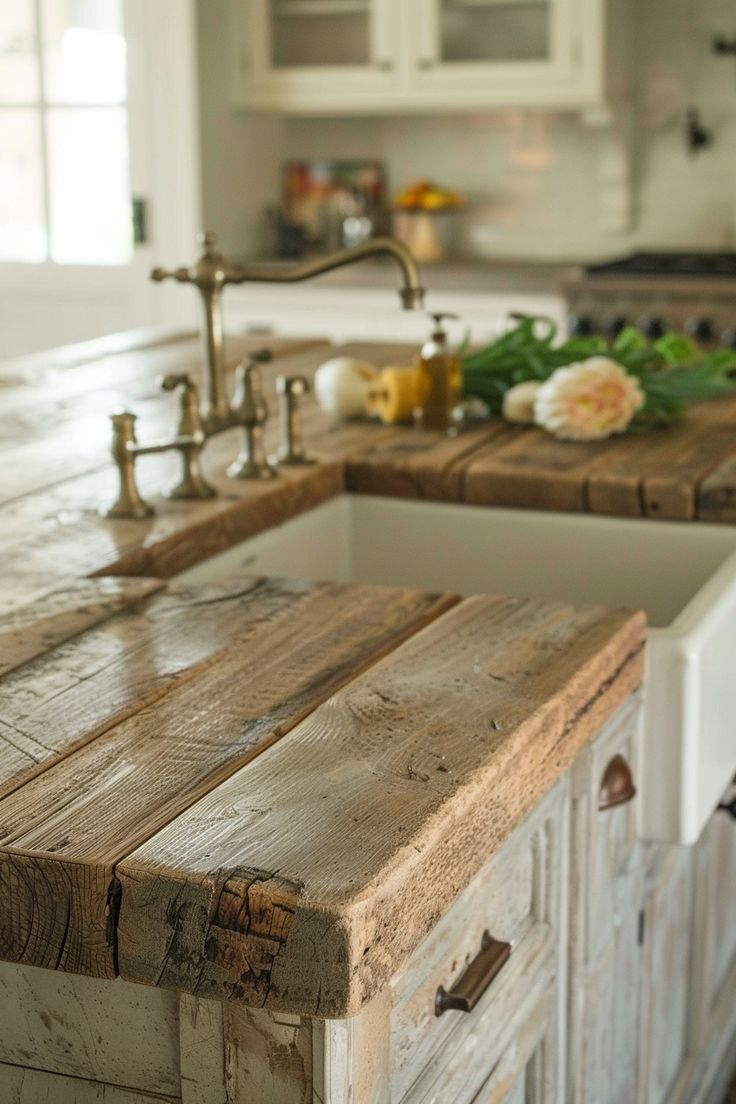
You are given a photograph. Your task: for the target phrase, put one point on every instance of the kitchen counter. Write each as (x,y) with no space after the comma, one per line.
(252,828)
(56,474)
(359,751)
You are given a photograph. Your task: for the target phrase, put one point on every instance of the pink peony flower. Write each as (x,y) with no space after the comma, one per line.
(588,401)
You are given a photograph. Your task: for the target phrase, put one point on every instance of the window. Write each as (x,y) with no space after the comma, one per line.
(64,176)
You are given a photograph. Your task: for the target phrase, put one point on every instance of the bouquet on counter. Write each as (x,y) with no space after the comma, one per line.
(587,388)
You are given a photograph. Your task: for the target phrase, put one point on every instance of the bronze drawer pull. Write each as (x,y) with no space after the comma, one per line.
(617,784)
(471,986)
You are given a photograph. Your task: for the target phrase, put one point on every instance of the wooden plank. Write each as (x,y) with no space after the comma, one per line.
(73,694)
(62,833)
(60,530)
(530,470)
(61,525)
(422,464)
(76,429)
(716,494)
(266,892)
(83,352)
(58,609)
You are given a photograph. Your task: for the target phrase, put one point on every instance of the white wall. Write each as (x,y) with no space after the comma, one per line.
(529,178)
(241,153)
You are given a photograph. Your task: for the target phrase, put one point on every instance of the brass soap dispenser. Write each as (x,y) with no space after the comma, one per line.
(439,379)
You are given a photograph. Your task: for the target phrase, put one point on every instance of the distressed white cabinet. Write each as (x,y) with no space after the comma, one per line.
(350,56)
(603,1037)
(301,55)
(619,988)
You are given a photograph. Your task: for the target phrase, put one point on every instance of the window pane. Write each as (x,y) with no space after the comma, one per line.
(22,230)
(84,51)
(18,57)
(89,186)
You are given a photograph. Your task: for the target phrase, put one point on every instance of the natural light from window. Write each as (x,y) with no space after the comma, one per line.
(64,173)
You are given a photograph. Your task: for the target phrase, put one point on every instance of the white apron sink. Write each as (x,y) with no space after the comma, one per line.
(683,575)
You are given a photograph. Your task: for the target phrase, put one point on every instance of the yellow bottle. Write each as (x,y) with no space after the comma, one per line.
(439,379)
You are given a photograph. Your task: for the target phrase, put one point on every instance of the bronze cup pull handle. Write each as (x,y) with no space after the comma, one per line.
(617,784)
(470,986)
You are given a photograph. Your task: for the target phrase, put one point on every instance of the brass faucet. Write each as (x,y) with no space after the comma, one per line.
(290,390)
(210,274)
(188,441)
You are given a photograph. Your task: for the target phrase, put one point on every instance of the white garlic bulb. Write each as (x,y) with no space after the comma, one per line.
(342,386)
(518,402)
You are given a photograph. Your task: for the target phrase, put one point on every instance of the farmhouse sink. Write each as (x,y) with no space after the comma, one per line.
(682,574)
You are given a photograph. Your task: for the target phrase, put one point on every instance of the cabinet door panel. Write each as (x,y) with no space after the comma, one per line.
(323,55)
(667,971)
(606,957)
(489,31)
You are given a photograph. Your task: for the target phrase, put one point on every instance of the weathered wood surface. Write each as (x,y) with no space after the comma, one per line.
(284,649)
(120,1034)
(36,620)
(265,892)
(72,694)
(56,474)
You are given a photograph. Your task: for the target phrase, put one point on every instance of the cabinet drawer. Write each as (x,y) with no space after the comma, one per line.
(516,898)
(506,1052)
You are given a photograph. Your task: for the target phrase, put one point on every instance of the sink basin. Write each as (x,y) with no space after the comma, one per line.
(682,574)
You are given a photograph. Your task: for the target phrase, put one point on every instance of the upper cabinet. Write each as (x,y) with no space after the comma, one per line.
(334,57)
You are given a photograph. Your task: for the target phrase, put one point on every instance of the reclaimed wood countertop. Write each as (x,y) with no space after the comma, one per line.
(270,791)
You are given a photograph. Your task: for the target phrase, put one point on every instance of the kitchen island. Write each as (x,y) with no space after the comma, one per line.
(286,812)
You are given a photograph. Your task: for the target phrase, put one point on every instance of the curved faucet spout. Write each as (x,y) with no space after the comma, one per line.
(411,291)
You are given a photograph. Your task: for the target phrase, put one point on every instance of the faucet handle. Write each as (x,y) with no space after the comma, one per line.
(190,420)
(129,503)
(291,390)
(251,411)
(182,274)
(249,405)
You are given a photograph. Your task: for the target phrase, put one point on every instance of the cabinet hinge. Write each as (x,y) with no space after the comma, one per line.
(642,927)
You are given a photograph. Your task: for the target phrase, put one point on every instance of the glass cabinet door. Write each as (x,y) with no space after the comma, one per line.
(494,31)
(319,33)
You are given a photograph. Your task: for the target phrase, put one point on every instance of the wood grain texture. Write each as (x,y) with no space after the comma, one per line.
(264,892)
(74,693)
(421,463)
(57,610)
(683,472)
(62,832)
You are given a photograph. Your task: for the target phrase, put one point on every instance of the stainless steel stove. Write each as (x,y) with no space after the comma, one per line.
(691,292)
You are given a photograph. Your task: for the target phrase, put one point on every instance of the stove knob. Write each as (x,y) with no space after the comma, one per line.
(581,325)
(701,329)
(728,337)
(616,325)
(652,327)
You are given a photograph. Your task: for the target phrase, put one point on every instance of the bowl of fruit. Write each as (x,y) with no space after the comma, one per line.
(424,219)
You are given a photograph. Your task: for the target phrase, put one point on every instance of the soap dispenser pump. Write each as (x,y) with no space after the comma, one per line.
(439,379)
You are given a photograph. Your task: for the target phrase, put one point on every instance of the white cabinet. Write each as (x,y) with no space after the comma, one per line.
(337,57)
(607,880)
(303,55)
